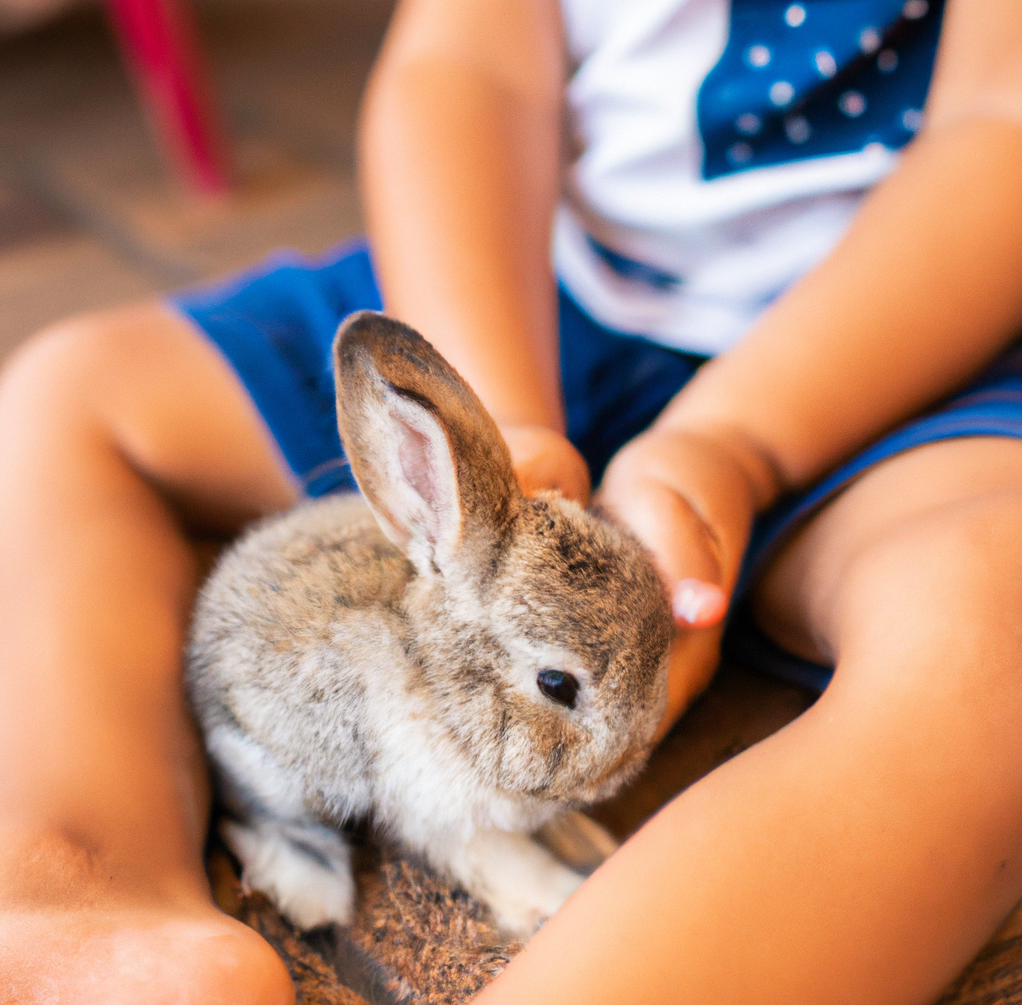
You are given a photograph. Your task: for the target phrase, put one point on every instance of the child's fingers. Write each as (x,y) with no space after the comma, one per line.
(698,604)
(682,545)
(544,459)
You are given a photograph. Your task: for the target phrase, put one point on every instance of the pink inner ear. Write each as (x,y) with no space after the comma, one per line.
(417,470)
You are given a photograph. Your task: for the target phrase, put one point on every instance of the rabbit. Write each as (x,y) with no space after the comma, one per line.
(442,655)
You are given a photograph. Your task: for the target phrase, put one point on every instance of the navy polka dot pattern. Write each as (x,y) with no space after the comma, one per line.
(816,78)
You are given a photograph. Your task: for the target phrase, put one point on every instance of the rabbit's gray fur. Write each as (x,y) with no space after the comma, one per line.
(378,658)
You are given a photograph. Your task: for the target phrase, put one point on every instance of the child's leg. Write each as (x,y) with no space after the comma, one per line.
(864,853)
(115,433)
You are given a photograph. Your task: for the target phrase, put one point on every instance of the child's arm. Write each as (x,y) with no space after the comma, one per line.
(460,170)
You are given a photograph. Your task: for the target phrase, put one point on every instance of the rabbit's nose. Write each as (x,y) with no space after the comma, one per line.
(558,686)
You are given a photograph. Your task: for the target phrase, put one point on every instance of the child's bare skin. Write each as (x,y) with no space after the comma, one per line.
(103,788)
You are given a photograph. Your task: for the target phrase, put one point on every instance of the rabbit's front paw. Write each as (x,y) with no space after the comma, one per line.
(304,869)
(522,883)
(521,911)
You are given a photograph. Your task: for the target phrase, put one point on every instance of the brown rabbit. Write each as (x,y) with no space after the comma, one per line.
(447,657)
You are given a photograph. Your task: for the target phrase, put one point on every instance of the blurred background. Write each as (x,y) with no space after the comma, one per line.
(94,213)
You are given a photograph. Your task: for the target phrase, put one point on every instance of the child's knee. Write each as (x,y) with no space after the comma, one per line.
(142,382)
(65,361)
(940,591)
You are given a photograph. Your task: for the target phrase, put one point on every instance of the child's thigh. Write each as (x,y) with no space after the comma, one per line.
(142,381)
(935,532)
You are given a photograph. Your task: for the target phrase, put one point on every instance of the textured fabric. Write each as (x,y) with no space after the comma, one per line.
(722,148)
(275,325)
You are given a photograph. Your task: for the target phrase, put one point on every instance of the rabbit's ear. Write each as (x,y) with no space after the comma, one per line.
(425,453)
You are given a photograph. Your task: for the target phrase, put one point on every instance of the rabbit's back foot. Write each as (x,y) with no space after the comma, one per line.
(305,869)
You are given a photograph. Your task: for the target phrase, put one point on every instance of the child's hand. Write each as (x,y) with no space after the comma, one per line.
(544,459)
(688,500)
(684,545)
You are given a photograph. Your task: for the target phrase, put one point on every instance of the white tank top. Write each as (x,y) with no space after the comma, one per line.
(721,148)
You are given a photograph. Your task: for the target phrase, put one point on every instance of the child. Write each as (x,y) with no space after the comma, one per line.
(862,854)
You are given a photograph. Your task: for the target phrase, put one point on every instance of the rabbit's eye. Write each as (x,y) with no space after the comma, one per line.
(558,686)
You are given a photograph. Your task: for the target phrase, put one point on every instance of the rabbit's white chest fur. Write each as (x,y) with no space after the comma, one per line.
(457,663)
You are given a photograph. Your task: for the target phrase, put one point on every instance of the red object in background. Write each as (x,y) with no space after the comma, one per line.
(161,46)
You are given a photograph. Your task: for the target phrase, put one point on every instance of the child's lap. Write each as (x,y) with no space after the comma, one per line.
(275,325)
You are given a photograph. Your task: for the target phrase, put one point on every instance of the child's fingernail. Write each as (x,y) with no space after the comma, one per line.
(698,603)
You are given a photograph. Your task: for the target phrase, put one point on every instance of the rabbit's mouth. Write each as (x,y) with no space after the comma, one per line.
(608,781)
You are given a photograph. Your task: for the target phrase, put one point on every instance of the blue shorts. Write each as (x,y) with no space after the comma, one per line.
(276,323)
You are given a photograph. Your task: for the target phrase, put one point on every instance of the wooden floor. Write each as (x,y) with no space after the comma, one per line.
(89,217)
